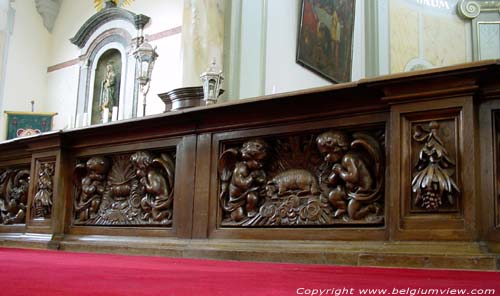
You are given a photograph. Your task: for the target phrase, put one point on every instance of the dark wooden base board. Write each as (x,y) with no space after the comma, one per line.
(449,255)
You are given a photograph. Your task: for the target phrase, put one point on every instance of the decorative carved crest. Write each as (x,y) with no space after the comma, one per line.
(332,178)
(42,201)
(432,181)
(14,186)
(127,189)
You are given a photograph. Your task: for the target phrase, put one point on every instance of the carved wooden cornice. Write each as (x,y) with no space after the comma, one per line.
(470,9)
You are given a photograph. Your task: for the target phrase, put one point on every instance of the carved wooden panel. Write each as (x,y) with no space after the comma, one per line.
(496,166)
(333,177)
(41,206)
(124,189)
(434,184)
(14,188)
(434,158)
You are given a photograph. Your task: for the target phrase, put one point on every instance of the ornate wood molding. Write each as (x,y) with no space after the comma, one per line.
(470,9)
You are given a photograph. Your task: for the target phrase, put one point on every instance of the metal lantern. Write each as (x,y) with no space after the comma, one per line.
(145,56)
(212,82)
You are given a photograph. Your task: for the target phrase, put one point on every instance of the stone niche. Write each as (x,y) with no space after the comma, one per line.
(107,66)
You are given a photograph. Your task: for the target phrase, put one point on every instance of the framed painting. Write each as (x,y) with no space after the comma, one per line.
(326,29)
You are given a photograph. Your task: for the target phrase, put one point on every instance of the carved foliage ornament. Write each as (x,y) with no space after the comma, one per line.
(42,201)
(129,189)
(432,181)
(332,178)
(470,9)
(14,185)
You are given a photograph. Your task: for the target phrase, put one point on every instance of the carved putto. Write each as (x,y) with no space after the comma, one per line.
(133,189)
(14,185)
(353,173)
(156,178)
(432,182)
(42,201)
(242,176)
(91,187)
(332,178)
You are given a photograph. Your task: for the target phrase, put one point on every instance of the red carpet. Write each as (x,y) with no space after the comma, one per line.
(33,272)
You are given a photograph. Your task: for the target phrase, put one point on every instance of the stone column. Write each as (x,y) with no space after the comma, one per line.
(202,38)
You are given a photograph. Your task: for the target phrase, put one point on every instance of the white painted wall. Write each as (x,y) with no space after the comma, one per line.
(6,18)
(167,72)
(268,41)
(166,14)
(283,74)
(28,56)
(33,49)
(252,48)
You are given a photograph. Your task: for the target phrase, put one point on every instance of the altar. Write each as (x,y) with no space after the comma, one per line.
(398,170)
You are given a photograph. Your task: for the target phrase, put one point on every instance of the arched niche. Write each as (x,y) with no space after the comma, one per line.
(108,34)
(106,85)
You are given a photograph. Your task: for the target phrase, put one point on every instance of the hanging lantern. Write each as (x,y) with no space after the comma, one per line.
(145,56)
(212,82)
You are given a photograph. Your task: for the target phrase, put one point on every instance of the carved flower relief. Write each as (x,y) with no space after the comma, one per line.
(311,211)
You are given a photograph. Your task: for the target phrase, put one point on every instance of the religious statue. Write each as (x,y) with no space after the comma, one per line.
(107,99)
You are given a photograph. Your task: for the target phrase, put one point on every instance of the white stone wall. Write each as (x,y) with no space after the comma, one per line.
(26,67)
(33,50)
(268,42)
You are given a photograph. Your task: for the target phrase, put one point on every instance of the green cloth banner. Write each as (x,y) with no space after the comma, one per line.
(26,124)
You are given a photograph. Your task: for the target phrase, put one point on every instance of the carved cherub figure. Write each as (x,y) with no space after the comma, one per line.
(156,175)
(355,187)
(92,186)
(242,177)
(18,199)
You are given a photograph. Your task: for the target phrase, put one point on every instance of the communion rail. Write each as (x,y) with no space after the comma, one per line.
(398,170)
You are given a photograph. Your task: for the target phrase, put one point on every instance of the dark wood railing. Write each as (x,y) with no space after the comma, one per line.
(397,170)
